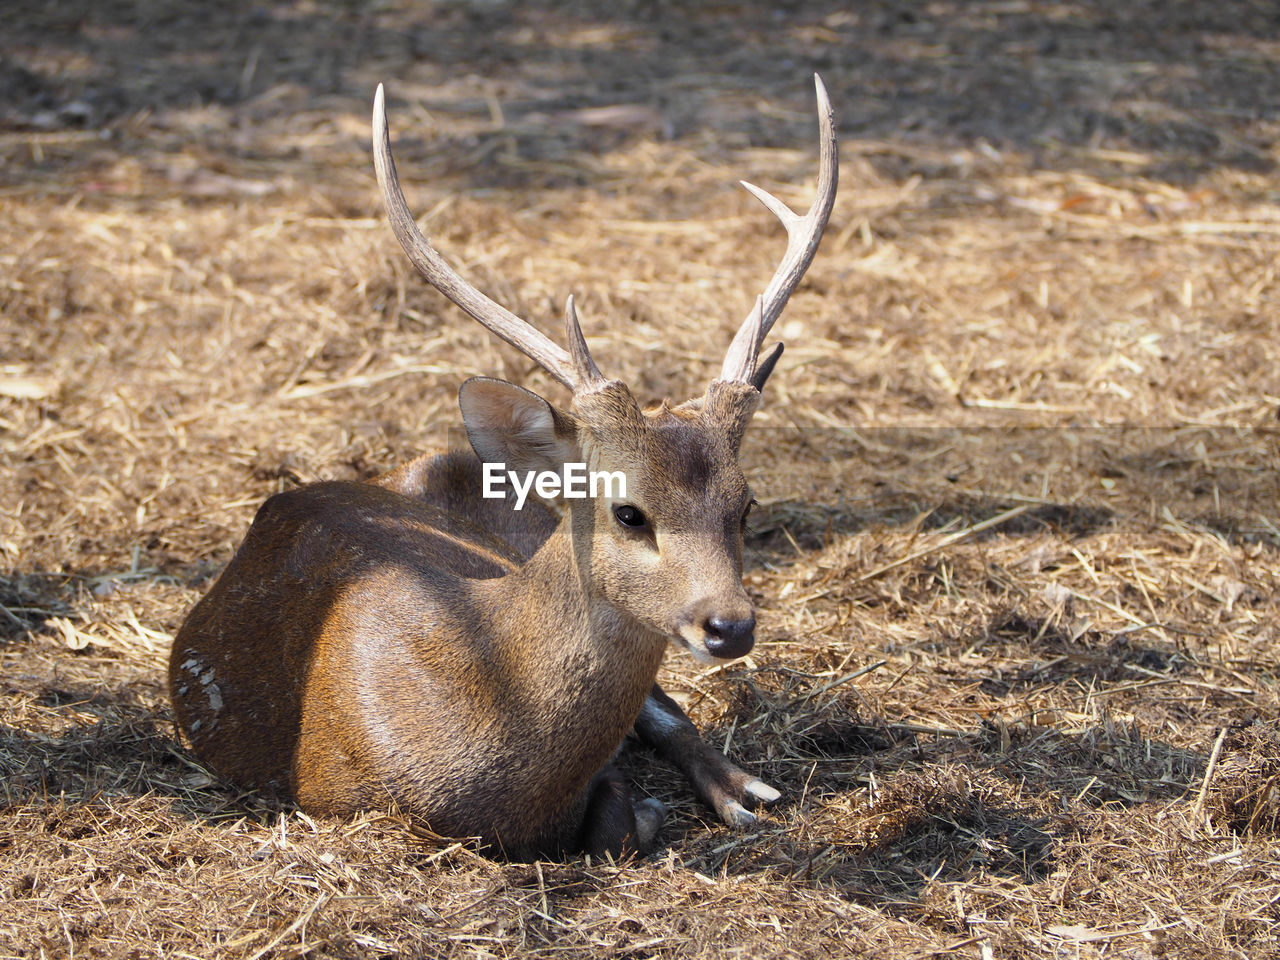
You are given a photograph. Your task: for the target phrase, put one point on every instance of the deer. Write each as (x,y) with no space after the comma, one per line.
(406,643)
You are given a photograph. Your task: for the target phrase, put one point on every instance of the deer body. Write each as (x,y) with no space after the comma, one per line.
(446,678)
(409,643)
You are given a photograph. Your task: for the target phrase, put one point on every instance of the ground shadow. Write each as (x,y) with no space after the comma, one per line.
(111,743)
(1182,87)
(880,810)
(95,721)
(27,601)
(1070,481)
(954,810)
(1063,653)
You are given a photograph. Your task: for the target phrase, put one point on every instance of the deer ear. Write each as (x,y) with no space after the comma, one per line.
(509,424)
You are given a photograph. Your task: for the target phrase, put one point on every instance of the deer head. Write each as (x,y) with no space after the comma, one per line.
(667,556)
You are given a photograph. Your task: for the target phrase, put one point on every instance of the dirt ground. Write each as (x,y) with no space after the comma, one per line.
(1017,553)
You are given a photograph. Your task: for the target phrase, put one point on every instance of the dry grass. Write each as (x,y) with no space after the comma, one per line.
(1018,559)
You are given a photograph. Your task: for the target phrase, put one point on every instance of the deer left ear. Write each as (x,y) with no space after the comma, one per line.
(509,424)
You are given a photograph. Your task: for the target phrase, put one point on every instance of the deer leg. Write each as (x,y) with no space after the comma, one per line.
(717,782)
(613,824)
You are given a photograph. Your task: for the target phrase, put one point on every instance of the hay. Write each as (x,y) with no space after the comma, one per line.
(1017,559)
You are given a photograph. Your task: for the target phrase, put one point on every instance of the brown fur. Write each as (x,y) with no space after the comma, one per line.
(409,642)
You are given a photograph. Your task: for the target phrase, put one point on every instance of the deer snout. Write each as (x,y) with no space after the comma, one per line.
(727,638)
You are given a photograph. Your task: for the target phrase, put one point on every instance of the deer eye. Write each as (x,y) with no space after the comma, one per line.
(746,512)
(629,516)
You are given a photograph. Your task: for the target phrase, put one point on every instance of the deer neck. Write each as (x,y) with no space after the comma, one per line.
(568,641)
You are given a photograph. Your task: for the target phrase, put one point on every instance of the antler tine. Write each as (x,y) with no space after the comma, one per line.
(496,318)
(586,374)
(803,235)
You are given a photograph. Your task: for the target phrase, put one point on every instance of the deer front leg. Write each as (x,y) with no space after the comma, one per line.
(717,782)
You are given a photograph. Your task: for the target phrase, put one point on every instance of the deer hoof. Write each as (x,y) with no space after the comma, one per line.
(761,792)
(736,815)
(649,816)
(733,809)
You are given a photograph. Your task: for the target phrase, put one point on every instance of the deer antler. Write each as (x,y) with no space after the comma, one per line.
(577,372)
(803,234)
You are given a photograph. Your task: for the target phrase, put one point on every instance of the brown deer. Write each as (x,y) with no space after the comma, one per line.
(410,643)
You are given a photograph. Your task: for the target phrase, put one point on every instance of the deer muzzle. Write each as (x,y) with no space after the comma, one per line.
(716,634)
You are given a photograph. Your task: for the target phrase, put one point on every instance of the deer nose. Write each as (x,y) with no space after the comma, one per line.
(729,638)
